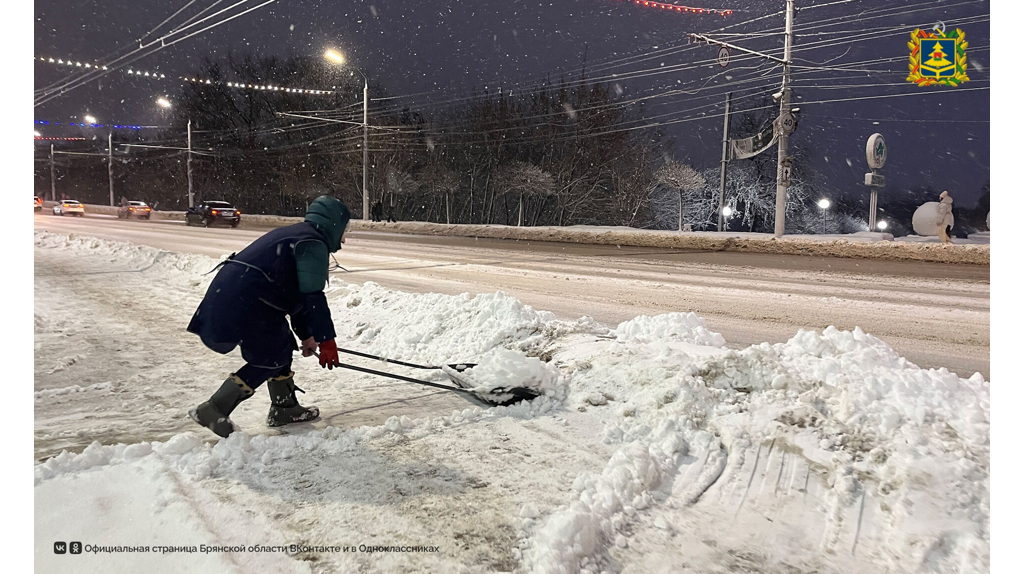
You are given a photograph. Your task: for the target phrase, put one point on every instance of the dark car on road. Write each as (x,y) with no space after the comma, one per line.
(134,209)
(209,213)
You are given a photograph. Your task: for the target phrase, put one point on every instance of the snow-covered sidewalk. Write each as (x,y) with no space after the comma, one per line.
(654,448)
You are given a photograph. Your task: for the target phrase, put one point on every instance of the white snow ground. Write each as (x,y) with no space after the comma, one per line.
(654,448)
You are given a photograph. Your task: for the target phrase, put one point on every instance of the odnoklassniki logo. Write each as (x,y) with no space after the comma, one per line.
(938,57)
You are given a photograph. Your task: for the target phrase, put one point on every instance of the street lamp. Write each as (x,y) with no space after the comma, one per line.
(163,103)
(883,225)
(727,211)
(90,119)
(824,204)
(334,56)
(337,58)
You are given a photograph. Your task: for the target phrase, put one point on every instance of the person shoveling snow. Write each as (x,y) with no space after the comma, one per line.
(281,273)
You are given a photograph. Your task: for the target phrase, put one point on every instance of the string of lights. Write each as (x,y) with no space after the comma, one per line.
(154,75)
(680,8)
(261,87)
(96,125)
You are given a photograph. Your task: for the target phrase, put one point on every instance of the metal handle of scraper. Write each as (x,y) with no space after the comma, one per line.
(400,377)
(458,367)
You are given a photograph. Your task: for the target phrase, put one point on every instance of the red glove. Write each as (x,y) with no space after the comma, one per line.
(329,354)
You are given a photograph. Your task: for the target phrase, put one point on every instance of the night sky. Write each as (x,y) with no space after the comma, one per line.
(436,50)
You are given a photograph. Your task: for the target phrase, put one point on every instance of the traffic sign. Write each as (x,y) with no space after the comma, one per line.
(723,56)
(876,151)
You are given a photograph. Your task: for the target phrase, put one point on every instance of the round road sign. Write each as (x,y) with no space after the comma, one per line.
(877,151)
(723,56)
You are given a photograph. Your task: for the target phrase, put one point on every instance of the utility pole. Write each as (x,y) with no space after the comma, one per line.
(783,173)
(786,122)
(53,178)
(725,161)
(189,163)
(110,165)
(366,151)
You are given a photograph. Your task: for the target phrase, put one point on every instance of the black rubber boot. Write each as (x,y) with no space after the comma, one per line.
(284,407)
(214,413)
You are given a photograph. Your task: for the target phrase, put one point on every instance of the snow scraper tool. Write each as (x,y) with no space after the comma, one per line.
(499,397)
(458,367)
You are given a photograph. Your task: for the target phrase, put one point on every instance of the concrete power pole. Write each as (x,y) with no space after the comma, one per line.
(366,151)
(189,163)
(783,173)
(53,178)
(725,162)
(110,165)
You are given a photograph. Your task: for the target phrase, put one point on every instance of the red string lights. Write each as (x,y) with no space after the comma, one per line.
(681,8)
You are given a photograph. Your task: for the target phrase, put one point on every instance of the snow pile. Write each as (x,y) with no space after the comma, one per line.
(436,328)
(571,537)
(503,369)
(686,327)
(876,425)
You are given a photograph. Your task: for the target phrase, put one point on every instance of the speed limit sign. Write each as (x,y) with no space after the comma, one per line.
(723,56)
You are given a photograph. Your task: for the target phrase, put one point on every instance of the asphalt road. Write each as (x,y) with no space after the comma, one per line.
(936,315)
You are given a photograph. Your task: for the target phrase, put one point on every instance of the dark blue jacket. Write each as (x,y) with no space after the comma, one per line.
(257,287)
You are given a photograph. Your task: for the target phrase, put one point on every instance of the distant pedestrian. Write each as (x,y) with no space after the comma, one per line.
(377,213)
(945,218)
(391,214)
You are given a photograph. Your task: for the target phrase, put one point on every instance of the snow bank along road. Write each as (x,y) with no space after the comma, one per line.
(654,448)
(936,315)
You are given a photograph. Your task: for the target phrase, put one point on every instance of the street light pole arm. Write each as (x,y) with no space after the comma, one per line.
(703,38)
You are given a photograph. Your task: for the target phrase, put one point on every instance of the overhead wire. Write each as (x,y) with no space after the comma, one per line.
(164,41)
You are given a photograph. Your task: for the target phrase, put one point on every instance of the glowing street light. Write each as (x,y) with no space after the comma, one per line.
(883,224)
(90,120)
(727,211)
(824,204)
(334,56)
(163,103)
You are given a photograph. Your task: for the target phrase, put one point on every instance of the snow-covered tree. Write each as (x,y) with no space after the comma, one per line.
(525,180)
(439,181)
(690,187)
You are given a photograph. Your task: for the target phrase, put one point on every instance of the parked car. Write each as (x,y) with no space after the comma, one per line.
(208,213)
(134,209)
(69,207)
(39,203)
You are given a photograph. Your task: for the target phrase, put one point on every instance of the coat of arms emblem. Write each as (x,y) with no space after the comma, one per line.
(938,57)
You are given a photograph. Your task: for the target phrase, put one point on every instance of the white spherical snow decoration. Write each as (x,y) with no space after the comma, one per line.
(926,219)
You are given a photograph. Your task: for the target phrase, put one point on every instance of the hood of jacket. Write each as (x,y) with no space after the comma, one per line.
(330,217)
